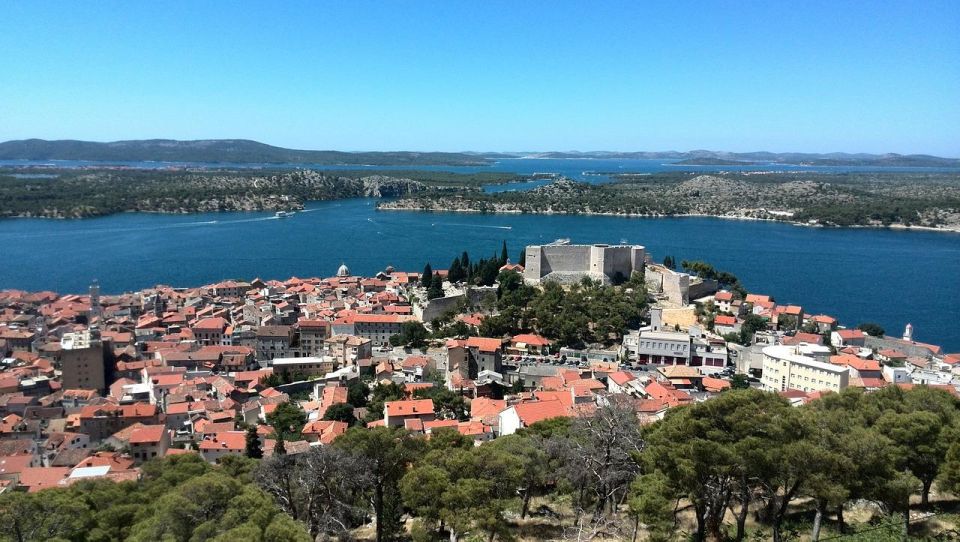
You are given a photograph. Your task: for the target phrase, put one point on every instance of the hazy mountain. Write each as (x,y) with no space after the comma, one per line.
(243,150)
(216,150)
(705,157)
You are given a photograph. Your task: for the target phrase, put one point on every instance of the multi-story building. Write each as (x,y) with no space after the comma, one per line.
(347,349)
(149,441)
(788,367)
(469,357)
(376,327)
(17,339)
(274,342)
(101,421)
(660,347)
(313,333)
(210,331)
(398,413)
(308,366)
(86,363)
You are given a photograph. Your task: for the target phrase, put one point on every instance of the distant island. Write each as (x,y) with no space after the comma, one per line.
(220,151)
(713,161)
(234,151)
(851,199)
(703,157)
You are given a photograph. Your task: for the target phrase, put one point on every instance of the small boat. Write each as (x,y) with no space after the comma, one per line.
(283,214)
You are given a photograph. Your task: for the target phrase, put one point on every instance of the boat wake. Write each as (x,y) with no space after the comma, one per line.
(456,225)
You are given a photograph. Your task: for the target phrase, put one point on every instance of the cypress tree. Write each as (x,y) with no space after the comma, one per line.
(254,450)
(427,277)
(436,288)
(504,258)
(455,273)
(523,257)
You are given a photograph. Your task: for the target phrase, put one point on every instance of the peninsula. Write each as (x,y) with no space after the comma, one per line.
(851,199)
(81,192)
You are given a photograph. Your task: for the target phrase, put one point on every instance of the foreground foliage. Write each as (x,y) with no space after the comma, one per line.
(743,465)
(180,498)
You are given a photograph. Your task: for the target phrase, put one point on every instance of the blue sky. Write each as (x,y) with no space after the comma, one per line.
(780,76)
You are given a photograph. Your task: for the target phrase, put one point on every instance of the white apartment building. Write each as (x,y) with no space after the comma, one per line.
(787,367)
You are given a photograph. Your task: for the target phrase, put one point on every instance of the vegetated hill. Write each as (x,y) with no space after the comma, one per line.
(855,199)
(83,193)
(216,150)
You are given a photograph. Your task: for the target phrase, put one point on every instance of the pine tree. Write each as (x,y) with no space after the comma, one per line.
(254,450)
(427,277)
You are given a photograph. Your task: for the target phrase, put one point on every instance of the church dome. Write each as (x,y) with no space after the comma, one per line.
(343,271)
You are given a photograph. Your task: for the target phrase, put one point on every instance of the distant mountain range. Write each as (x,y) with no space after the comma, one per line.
(245,151)
(218,151)
(702,157)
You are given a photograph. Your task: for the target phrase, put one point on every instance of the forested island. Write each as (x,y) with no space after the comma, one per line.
(80,193)
(849,199)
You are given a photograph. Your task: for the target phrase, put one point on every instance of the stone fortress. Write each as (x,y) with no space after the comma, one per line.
(565,263)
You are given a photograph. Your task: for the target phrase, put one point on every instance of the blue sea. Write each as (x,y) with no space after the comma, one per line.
(889,276)
(892,277)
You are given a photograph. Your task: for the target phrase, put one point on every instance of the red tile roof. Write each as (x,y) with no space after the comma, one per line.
(37,478)
(621,377)
(147,434)
(412,407)
(225,440)
(485,344)
(531,339)
(325,430)
(725,320)
(533,412)
(211,324)
(723,295)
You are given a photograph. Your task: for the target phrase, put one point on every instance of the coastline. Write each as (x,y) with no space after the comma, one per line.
(422,209)
(904,227)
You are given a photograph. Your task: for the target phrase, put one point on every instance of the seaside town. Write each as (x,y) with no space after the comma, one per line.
(95,386)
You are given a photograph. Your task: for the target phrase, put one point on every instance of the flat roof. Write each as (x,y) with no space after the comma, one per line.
(665,335)
(304,360)
(789,353)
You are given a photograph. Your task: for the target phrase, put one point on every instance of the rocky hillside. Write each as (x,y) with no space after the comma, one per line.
(817,199)
(77,194)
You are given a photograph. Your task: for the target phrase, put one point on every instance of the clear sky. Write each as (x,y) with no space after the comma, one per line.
(768,75)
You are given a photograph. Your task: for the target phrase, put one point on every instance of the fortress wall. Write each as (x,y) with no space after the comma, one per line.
(564,259)
(533,263)
(638,257)
(675,286)
(703,289)
(618,259)
(588,260)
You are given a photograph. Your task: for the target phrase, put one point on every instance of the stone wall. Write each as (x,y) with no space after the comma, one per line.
(428,311)
(567,263)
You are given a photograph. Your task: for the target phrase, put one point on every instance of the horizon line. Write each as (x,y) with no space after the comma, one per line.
(519,152)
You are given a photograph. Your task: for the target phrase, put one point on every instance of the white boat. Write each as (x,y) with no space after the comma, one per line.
(283,214)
